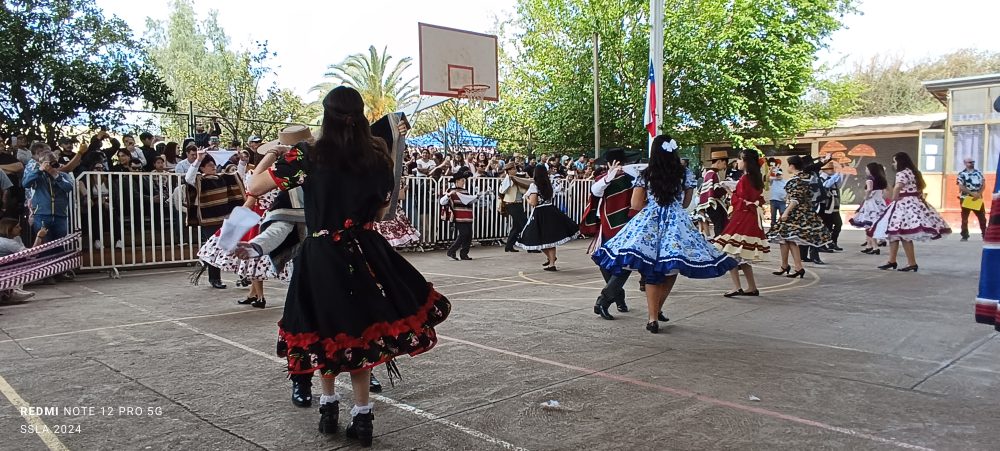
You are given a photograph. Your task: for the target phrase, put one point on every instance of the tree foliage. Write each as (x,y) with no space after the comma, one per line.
(890,85)
(374,75)
(198,63)
(735,70)
(65,63)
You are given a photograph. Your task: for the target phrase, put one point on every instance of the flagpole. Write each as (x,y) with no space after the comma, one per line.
(658,59)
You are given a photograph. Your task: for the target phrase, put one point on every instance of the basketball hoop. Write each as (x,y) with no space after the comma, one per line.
(475,94)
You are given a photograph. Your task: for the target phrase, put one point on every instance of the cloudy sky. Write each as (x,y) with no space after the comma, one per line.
(308,35)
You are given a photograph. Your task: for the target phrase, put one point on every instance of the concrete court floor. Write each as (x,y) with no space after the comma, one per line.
(848,358)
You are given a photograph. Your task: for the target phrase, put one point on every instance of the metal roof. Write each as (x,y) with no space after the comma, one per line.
(939,88)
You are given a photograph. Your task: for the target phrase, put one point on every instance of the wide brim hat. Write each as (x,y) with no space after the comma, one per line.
(463,173)
(718,155)
(289,136)
(615,155)
(509,166)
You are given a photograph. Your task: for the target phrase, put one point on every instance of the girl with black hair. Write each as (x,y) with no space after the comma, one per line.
(661,242)
(743,238)
(547,227)
(799,225)
(873,206)
(908,218)
(353,302)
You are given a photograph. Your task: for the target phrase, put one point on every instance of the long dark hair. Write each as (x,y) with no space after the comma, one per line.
(170,152)
(751,166)
(796,162)
(543,183)
(903,162)
(877,173)
(346,140)
(665,174)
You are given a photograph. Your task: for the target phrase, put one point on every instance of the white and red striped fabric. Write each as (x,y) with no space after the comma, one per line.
(649,117)
(29,266)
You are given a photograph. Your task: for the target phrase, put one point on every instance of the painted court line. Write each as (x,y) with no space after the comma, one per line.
(41,429)
(389,401)
(689,394)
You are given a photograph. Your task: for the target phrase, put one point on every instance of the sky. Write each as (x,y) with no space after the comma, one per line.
(309,35)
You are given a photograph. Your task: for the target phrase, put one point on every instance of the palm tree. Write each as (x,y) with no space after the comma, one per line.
(382,89)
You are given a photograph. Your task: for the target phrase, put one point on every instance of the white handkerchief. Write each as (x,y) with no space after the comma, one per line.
(239,222)
(634,169)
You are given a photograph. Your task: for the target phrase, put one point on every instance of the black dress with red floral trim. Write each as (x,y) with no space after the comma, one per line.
(353,302)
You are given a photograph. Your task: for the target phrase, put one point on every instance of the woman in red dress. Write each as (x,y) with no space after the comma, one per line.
(743,238)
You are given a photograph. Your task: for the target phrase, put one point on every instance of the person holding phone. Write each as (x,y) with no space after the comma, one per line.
(50,199)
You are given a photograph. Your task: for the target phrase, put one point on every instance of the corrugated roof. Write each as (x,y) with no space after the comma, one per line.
(939,88)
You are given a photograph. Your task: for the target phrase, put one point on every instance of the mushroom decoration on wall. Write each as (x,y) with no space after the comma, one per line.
(832,147)
(862,150)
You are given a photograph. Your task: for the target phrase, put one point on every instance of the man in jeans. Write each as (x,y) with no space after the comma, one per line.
(776,195)
(971,184)
(51,190)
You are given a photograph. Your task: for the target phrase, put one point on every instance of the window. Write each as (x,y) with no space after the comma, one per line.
(994,96)
(968,144)
(993,156)
(969,105)
(932,151)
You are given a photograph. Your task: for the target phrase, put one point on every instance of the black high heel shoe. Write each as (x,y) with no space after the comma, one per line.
(913,268)
(784,270)
(551,263)
(887,266)
(550,268)
(868,250)
(653,327)
(800,274)
(361,428)
(248,301)
(751,293)
(733,294)
(329,415)
(259,303)
(660,317)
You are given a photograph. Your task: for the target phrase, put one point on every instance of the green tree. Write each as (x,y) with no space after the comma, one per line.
(734,70)
(432,121)
(64,63)
(374,75)
(892,85)
(197,62)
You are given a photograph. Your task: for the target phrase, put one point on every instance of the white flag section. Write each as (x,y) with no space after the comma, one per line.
(653,120)
(649,117)
(239,222)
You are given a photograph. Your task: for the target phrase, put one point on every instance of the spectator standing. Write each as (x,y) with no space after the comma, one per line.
(201,137)
(425,164)
(971,183)
(581,164)
(191,151)
(51,190)
(66,152)
(149,152)
(21,149)
(776,195)
(169,157)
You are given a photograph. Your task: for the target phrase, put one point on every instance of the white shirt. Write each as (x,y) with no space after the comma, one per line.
(182,166)
(429,165)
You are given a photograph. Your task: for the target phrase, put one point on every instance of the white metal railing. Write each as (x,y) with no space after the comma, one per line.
(137,219)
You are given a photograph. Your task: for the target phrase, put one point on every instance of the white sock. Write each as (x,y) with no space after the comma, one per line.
(362,409)
(326,399)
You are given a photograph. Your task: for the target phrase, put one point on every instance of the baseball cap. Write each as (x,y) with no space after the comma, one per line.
(255,139)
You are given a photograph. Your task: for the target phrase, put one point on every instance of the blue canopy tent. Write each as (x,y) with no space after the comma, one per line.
(457,137)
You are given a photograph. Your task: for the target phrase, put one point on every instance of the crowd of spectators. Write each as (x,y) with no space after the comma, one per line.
(429,162)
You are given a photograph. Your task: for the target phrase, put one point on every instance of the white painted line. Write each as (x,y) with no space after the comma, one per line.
(41,429)
(389,401)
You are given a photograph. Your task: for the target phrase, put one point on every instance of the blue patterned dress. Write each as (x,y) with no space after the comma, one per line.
(661,241)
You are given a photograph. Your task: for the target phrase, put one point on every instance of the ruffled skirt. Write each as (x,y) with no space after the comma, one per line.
(910,218)
(743,237)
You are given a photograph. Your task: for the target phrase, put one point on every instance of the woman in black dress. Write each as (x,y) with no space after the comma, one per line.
(353,302)
(547,227)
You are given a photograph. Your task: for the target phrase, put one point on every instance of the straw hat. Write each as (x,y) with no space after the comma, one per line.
(289,136)
(719,155)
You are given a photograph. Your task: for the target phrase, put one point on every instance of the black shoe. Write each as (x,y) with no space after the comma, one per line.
(784,270)
(890,265)
(243,282)
(816,261)
(281,349)
(733,294)
(868,250)
(361,428)
(259,303)
(909,269)
(653,327)
(751,293)
(807,260)
(374,385)
(964,238)
(602,310)
(836,248)
(248,301)
(825,249)
(453,257)
(329,415)
(882,243)
(302,396)
(511,250)
(534,252)
(550,269)
(642,286)
(800,274)
(217,284)
(466,257)
(660,317)
(876,252)
(622,307)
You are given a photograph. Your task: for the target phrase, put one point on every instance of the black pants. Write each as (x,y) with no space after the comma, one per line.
(834,223)
(214,273)
(719,219)
(980,214)
(463,241)
(518,220)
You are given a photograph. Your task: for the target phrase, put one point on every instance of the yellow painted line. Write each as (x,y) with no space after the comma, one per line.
(41,429)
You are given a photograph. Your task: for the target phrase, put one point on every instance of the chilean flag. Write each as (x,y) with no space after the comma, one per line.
(649,118)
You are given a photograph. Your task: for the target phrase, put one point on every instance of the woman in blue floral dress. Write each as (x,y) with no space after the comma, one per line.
(661,242)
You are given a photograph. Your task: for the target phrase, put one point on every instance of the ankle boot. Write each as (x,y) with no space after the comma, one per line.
(302,390)
(361,428)
(329,415)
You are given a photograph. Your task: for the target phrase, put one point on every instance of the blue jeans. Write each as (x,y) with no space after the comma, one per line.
(777,208)
(58,226)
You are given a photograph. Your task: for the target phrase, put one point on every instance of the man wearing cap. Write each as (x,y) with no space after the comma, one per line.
(512,190)
(970,184)
(254,143)
(66,152)
(829,208)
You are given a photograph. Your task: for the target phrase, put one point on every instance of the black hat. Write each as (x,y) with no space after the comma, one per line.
(462,173)
(615,155)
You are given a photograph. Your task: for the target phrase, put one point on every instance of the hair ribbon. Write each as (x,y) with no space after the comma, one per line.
(669,146)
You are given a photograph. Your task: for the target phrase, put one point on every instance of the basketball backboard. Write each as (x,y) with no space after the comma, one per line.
(451,60)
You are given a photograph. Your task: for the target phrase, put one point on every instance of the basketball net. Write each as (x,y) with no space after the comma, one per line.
(475,94)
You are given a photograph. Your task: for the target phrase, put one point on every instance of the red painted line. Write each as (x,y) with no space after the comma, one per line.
(689,394)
